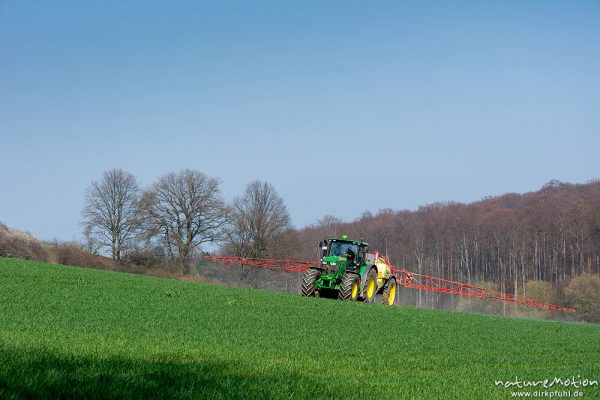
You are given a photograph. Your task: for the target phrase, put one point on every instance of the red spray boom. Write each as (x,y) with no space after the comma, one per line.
(404,278)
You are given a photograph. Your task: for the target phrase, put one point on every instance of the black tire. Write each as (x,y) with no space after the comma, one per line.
(349,288)
(371,277)
(308,282)
(389,293)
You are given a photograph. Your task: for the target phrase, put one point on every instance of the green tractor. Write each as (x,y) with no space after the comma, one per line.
(349,271)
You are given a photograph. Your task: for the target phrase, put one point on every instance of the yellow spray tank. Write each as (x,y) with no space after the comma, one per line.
(384,271)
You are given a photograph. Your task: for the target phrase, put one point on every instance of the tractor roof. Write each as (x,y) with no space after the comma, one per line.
(346,240)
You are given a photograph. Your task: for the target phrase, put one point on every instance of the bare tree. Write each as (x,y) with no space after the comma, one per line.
(110,214)
(185,210)
(260,218)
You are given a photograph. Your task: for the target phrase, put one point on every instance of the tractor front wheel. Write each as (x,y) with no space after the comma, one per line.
(308,283)
(389,293)
(349,288)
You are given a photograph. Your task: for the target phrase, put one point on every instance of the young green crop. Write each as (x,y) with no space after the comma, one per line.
(83,333)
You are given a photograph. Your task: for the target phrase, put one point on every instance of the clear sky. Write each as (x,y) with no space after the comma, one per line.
(344,106)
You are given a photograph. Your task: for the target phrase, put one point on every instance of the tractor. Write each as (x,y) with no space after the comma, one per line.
(348,270)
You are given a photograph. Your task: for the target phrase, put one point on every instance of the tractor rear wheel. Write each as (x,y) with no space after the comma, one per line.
(389,293)
(349,288)
(370,286)
(308,283)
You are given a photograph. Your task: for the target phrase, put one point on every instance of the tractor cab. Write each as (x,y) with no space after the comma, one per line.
(343,250)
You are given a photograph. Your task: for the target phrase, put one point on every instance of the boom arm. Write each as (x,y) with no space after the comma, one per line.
(404,278)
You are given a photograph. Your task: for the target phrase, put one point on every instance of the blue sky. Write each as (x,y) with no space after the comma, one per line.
(345,106)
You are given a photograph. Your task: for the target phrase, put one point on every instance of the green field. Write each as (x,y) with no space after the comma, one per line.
(72,332)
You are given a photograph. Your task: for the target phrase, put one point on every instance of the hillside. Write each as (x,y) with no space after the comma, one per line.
(73,332)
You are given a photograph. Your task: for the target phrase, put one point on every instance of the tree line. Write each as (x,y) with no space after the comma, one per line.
(551,235)
(178,215)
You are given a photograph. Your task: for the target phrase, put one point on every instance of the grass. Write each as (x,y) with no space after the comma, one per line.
(68,332)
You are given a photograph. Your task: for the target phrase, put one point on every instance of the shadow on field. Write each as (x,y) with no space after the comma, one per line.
(44,375)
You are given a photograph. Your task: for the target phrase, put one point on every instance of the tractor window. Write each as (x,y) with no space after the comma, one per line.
(361,254)
(339,249)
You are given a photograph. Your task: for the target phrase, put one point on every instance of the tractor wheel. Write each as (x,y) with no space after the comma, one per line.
(389,293)
(308,283)
(349,288)
(371,286)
